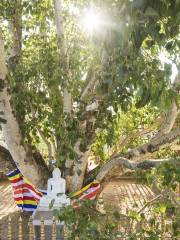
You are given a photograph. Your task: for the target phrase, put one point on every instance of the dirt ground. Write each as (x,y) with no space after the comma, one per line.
(125,194)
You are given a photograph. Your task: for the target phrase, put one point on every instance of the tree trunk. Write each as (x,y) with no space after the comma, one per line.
(35,170)
(6,162)
(74,171)
(67,101)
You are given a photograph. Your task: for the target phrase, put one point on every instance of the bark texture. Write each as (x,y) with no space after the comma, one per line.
(6,162)
(169,121)
(153,145)
(22,155)
(124,162)
(67,101)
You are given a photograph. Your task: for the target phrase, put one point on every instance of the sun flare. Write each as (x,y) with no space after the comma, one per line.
(91,21)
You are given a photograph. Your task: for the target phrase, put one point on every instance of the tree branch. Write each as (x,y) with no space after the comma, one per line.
(120,161)
(153,145)
(90,80)
(171,114)
(149,202)
(169,121)
(164,137)
(128,160)
(136,154)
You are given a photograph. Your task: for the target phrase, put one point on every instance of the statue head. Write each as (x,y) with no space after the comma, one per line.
(56,173)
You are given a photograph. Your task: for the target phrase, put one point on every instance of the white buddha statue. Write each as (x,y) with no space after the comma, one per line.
(56,187)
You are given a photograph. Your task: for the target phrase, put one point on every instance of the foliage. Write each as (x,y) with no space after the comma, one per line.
(158,219)
(87,223)
(133,35)
(133,87)
(165,180)
(125,130)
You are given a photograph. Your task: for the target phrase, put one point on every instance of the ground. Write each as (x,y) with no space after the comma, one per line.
(125,194)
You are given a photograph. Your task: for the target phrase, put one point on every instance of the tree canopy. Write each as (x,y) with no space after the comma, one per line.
(118,62)
(84,80)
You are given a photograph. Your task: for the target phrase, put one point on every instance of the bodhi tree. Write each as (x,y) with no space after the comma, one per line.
(89,78)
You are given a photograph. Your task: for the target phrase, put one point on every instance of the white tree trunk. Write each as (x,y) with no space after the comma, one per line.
(75,179)
(77,169)
(67,101)
(20,153)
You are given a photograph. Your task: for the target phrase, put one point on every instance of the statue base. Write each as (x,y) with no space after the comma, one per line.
(57,202)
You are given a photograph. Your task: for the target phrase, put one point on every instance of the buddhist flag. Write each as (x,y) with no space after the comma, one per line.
(89,192)
(25,194)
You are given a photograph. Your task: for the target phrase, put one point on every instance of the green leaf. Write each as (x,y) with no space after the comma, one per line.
(51,203)
(162,208)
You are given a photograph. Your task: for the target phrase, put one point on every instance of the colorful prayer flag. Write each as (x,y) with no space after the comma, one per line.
(88,192)
(25,194)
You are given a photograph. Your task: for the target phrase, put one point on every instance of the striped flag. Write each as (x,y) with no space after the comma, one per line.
(89,192)
(25,194)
